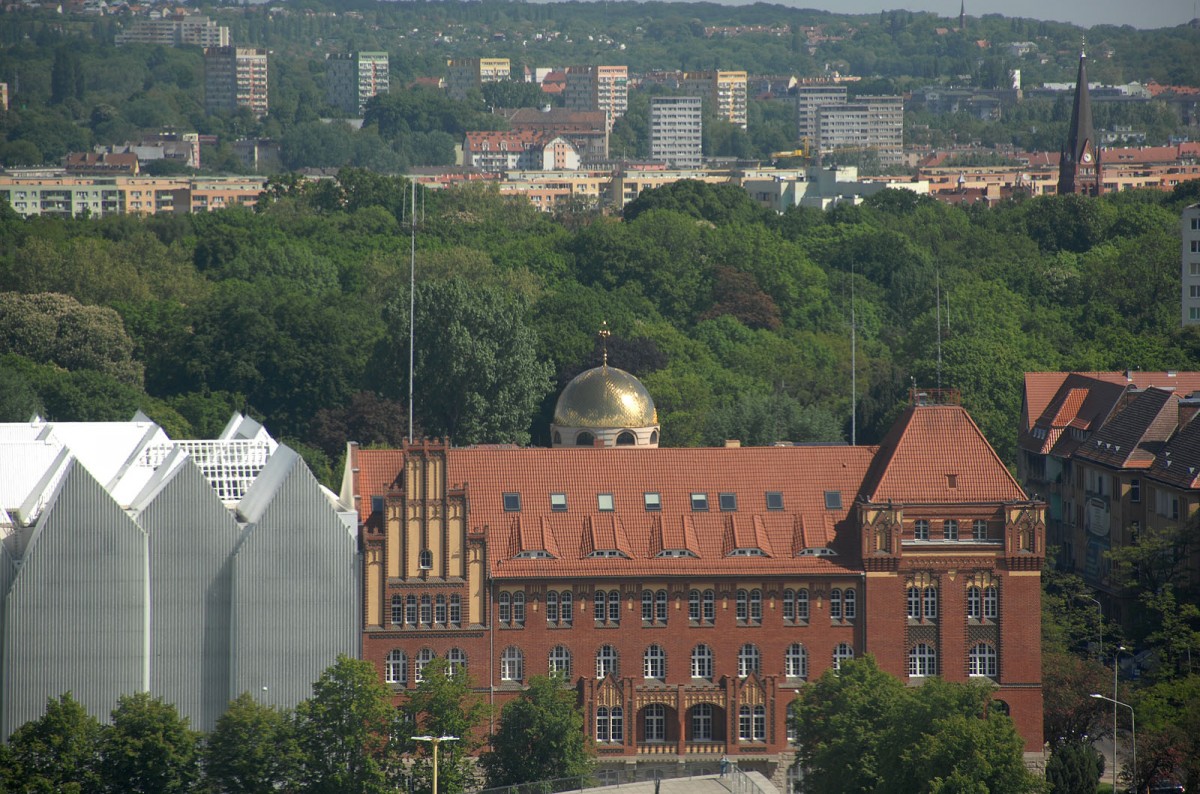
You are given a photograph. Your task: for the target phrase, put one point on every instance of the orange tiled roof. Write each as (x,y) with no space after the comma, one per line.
(936,453)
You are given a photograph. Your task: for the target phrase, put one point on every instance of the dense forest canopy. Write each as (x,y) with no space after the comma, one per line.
(738,320)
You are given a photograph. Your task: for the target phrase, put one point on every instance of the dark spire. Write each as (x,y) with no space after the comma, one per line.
(1079,165)
(962,15)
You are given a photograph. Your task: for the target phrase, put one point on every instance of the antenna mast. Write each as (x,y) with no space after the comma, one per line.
(412,302)
(853,366)
(939,330)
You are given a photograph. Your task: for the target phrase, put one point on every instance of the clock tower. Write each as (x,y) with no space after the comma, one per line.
(1079,169)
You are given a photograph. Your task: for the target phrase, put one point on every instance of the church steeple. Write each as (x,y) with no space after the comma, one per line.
(1079,164)
(962,16)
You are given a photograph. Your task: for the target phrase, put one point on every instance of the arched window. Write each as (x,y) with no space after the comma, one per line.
(456,660)
(760,723)
(426,610)
(743,605)
(660,606)
(756,604)
(653,436)
(921,529)
(991,602)
(647,605)
(789,605)
(610,725)
(397,610)
(913,598)
(566,607)
(560,661)
(410,610)
(802,604)
(840,654)
(979,529)
(795,661)
(614,606)
(835,604)
(426,559)
(654,662)
(982,660)
(850,603)
(702,722)
(395,670)
(456,609)
(922,660)
(702,662)
(1001,707)
(654,718)
(607,661)
(950,529)
(557,438)
(974,603)
(518,607)
(439,609)
(598,602)
(504,607)
(748,660)
(694,605)
(551,606)
(512,664)
(423,658)
(585,439)
(710,606)
(930,605)
(626,439)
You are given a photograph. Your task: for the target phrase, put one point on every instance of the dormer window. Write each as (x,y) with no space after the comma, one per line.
(534,554)
(748,552)
(817,552)
(675,553)
(608,554)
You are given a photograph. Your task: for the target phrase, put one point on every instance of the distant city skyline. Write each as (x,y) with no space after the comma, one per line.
(1086,13)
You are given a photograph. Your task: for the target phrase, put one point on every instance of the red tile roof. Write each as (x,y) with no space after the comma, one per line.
(936,453)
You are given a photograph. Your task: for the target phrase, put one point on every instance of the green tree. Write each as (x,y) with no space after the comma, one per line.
(1074,768)
(479,377)
(149,749)
(252,749)
(347,732)
(540,737)
(444,705)
(59,751)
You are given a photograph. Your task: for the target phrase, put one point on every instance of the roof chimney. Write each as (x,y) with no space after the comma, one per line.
(732,443)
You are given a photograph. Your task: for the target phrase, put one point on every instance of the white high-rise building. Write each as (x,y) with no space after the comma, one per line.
(810,99)
(676,130)
(1190,275)
(353,78)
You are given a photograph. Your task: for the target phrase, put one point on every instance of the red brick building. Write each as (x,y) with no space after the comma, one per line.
(688,594)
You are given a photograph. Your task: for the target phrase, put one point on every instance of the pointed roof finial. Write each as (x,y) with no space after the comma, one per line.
(1083,46)
(604,335)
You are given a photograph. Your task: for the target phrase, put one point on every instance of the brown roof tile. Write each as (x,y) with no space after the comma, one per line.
(1137,432)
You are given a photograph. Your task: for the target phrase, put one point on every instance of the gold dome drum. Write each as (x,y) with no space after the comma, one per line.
(605,397)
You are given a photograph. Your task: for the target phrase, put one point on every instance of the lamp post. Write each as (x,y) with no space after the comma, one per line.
(1099,623)
(435,741)
(1133,731)
(1116,655)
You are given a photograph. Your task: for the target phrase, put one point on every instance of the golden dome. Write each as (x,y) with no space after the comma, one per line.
(605,397)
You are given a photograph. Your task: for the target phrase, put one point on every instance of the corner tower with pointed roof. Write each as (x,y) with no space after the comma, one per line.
(1079,168)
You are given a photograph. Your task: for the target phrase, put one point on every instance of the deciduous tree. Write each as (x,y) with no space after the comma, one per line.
(59,751)
(252,749)
(540,737)
(149,749)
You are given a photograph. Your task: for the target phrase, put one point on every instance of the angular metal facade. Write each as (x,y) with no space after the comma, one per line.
(75,615)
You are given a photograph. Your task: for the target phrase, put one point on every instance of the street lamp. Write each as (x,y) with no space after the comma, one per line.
(1133,731)
(1116,655)
(435,741)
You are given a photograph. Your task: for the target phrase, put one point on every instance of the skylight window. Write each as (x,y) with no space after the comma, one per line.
(604,502)
(728,502)
(512,502)
(558,502)
(833,500)
(653,501)
(774,500)
(699,502)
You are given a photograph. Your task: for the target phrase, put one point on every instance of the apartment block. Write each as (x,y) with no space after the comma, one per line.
(727,91)
(1189,227)
(866,123)
(353,78)
(235,77)
(809,99)
(67,196)
(604,88)
(464,75)
(199,31)
(676,131)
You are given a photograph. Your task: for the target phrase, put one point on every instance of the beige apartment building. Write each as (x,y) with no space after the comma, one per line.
(603,88)
(199,31)
(61,195)
(235,77)
(727,92)
(464,75)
